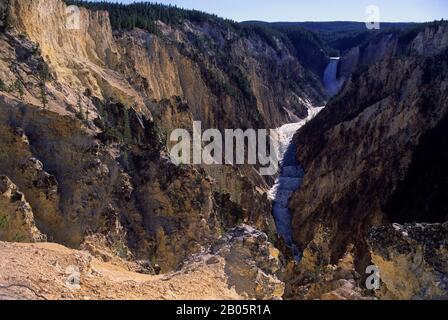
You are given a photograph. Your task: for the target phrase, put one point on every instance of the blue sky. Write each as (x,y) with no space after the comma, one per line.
(317,10)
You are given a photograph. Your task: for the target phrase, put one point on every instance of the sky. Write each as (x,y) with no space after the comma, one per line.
(317,10)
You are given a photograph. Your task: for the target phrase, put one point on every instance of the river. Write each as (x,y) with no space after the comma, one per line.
(291,174)
(289,179)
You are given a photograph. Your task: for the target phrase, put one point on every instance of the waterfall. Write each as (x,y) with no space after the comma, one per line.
(331,82)
(289,180)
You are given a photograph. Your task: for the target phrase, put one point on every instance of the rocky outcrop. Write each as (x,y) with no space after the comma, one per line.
(315,277)
(49,271)
(432,41)
(412,260)
(360,148)
(251,263)
(39,187)
(16,216)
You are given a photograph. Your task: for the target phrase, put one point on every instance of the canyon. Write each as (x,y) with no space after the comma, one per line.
(86,178)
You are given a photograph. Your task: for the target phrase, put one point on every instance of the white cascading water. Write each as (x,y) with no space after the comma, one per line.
(289,180)
(291,173)
(331,82)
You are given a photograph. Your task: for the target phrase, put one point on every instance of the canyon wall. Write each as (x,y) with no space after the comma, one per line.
(224,79)
(215,70)
(361,149)
(85,113)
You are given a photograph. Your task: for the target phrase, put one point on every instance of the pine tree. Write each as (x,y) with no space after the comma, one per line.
(144,15)
(20,88)
(79,104)
(44,74)
(43,94)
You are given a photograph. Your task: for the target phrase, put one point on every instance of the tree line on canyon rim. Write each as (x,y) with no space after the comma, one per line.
(144,15)
(330,38)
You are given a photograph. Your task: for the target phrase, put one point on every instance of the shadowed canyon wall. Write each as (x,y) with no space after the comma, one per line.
(362,153)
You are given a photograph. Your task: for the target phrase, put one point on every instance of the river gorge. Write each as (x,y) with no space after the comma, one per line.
(291,173)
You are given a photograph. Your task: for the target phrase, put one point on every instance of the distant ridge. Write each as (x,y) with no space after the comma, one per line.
(338,35)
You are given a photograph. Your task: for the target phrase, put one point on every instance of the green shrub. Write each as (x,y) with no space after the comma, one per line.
(2,85)
(43,95)
(3,222)
(113,134)
(18,86)
(80,113)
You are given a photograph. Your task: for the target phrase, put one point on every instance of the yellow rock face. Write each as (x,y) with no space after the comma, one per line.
(16,217)
(79,58)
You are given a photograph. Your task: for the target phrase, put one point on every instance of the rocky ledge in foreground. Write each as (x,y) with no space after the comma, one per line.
(16,217)
(413,260)
(241,265)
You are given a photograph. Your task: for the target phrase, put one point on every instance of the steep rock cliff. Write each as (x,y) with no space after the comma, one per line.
(426,41)
(210,66)
(77,58)
(360,148)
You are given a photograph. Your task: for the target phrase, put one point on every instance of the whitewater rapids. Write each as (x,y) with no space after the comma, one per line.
(289,180)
